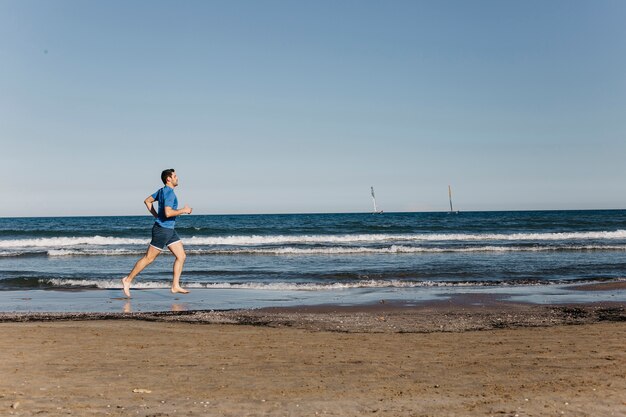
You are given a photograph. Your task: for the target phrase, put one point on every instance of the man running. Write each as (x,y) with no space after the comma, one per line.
(163,233)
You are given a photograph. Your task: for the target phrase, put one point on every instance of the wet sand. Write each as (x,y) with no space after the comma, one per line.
(454,359)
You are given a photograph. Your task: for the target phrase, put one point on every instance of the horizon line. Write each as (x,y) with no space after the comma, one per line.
(312,213)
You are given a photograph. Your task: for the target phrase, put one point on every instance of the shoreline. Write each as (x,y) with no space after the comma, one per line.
(110,303)
(464,312)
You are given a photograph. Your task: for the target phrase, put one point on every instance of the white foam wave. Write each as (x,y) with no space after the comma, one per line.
(8,254)
(56,242)
(92,252)
(381,238)
(289,286)
(252,240)
(398,249)
(273,286)
(393,249)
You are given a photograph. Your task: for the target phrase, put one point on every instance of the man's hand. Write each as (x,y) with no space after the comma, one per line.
(148,202)
(170,212)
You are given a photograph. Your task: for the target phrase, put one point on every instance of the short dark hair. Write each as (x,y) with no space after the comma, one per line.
(166,174)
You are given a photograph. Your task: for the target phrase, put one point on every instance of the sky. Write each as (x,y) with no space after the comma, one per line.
(299,107)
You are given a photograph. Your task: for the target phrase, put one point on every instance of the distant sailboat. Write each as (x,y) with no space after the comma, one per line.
(376,211)
(450,197)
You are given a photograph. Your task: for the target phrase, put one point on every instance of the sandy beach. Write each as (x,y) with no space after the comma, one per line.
(500,360)
(293,208)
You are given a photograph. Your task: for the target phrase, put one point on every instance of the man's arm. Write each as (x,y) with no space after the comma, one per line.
(170,212)
(149,205)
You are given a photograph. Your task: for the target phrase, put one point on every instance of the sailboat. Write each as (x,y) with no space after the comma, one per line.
(450,197)
(376,211)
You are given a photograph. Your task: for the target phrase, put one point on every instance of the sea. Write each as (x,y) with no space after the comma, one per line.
(249,261)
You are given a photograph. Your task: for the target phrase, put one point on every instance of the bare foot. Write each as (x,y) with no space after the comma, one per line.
(126,287)
(180,290)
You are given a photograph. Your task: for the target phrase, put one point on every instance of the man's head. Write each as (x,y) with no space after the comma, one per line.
(169,177)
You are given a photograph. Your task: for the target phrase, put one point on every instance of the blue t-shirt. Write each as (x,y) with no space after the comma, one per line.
(165,197)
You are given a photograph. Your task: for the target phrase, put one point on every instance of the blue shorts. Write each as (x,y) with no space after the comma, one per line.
(163,236)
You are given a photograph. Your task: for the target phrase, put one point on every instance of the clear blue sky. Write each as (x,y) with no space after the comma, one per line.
(294,106)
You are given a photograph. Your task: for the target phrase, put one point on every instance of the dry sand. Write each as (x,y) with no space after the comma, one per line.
(387,361)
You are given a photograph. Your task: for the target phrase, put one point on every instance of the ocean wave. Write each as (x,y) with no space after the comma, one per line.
(66,283)
(273,286)
(21,253)
(251,240)
(399,249)
(393,249)
(380,238)
(93,252)
(56,242)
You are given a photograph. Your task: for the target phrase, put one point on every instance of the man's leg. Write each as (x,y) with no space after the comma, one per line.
(179,252)
(147,259)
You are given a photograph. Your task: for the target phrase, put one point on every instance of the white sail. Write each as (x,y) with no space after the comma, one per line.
(450,197)
(374,200)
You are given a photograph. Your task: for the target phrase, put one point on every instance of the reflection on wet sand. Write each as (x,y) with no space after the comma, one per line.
(179,307)
(127,308)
